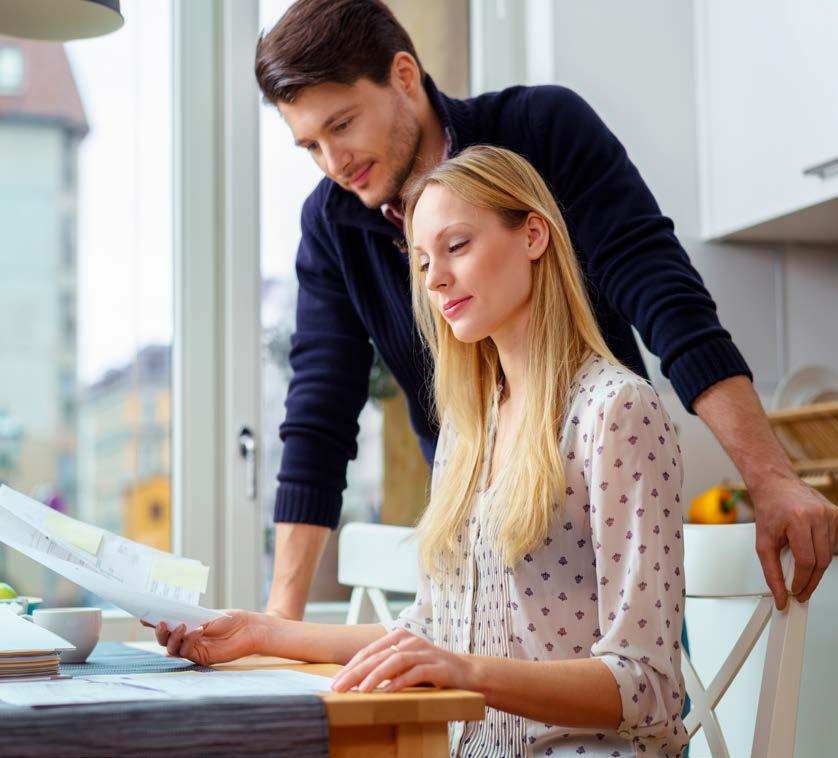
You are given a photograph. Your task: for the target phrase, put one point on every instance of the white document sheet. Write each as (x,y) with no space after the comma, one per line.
(192,684)
(147,583)
(144,568)
(73,691)
(143,605)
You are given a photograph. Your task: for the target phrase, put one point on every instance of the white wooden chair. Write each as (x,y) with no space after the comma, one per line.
(374,559)
(720,562)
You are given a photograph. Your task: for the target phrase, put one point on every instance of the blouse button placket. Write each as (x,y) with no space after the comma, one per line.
(468,600)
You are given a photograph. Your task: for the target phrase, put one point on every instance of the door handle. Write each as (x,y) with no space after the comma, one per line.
(247,450)
(823,170)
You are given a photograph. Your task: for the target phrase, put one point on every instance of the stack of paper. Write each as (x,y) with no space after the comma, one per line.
(27,651)
(143,581)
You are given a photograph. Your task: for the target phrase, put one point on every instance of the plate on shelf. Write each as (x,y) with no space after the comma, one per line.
(807,385)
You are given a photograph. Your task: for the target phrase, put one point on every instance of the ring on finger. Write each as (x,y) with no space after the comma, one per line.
(395,648)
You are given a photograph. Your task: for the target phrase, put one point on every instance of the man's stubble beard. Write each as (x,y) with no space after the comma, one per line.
(405,138)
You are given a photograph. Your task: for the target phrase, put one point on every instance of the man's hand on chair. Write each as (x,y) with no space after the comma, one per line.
(790,512)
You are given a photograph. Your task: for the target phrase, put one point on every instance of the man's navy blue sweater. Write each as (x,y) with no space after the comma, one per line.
(354,289)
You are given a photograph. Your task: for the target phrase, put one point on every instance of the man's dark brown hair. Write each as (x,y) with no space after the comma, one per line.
(318,41)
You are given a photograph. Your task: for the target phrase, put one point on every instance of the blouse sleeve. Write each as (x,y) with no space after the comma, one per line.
(634,476)
(418,618)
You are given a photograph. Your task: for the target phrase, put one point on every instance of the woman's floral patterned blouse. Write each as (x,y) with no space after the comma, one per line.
(608,581)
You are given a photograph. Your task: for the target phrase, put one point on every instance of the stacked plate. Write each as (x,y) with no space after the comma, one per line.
(33,665)
(28,651)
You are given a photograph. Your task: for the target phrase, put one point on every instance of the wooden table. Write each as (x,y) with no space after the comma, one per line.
(412,723)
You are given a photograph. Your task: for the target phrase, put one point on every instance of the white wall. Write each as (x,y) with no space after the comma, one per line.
(634,64)
(811,291)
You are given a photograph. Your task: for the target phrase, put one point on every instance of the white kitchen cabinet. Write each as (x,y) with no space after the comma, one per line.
(767,92)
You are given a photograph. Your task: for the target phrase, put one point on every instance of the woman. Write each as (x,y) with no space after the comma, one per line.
(551,546)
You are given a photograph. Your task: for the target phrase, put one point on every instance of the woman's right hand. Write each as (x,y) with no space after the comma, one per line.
(224,639)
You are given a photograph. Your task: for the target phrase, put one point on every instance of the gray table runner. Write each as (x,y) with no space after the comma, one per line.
(286,725)
(118,658)
(267,726)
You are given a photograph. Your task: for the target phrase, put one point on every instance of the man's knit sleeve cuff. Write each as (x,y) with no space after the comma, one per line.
(703,366)
(306,504)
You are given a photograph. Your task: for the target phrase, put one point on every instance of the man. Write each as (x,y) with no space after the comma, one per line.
(346,78)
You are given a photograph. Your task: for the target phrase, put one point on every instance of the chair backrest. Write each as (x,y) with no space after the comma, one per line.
(373,559)
(720,562)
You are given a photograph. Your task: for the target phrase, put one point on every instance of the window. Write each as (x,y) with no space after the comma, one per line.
(86,283)
(11,70)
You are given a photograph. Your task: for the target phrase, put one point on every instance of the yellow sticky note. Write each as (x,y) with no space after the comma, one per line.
(82,535)
(188,574)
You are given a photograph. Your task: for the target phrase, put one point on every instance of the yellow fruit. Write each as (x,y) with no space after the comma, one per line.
(7,592)
(716,506)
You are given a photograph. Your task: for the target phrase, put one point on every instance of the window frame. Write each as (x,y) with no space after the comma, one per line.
(216,275)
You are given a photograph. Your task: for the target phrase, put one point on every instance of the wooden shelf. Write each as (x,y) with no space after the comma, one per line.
(809,434)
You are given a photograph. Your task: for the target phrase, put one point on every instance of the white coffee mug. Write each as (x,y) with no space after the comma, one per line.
(80,626)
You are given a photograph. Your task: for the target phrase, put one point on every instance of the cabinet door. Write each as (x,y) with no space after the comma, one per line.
(815,36)
(768,108)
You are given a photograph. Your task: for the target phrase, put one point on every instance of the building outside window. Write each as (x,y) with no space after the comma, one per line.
(86,282)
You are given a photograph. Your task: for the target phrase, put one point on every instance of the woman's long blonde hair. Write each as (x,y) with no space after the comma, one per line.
(530,488)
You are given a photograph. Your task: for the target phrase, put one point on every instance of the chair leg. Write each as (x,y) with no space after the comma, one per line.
(379,604)
(776,722)
(355,602)
(702,714)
